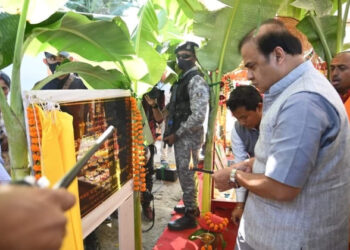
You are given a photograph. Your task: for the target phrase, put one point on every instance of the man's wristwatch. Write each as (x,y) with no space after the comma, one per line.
(233,177)
(155,106)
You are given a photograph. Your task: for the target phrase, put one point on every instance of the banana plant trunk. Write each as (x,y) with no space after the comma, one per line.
(137,221)
(14,114)
(209,147)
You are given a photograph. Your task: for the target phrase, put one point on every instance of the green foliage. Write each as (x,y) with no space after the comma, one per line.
(177,17)
(8,30)
(95,77)
(107,7)
(321,7)
(286,9)
(76,33)
(190,6)
(224,28)
(328,26)
(146,40)
(324,30)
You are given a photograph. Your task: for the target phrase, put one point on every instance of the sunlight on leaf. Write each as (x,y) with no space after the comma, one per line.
(38,11)
(321,7)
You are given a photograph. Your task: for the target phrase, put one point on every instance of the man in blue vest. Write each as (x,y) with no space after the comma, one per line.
(184,129)
(299,180)
(245,103)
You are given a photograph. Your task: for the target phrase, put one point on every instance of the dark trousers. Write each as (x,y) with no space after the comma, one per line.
(147,196)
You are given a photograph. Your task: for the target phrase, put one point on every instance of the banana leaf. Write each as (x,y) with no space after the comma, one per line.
(321,7)
(286,9)
(224,28)
(38,10)
(146,40)
(325,31)
(178,17)
(328,25)
(190,6)
(76,33)
(95,77)
(8,30)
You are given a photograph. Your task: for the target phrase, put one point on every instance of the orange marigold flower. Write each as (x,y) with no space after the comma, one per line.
(35,148)
(212,222)
(35,140)
(36,157)
(37,167)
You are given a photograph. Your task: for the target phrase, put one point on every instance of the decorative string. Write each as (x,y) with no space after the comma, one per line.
(46,106)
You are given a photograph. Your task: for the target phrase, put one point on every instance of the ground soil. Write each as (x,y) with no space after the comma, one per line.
(166,196)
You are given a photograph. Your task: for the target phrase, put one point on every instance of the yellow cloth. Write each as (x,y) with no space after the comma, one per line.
(57,158)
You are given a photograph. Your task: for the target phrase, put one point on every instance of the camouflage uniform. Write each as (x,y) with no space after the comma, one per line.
(190,138)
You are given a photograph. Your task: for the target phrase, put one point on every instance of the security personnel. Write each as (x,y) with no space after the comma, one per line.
(68,81)
(184,129)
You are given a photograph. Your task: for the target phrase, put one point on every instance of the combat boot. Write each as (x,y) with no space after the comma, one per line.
(185,222)
(180,209)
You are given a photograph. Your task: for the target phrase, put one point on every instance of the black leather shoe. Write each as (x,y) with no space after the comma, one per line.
(180,209)
(185,222)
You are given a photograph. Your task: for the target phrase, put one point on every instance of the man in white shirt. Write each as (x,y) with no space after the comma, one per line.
(245,103)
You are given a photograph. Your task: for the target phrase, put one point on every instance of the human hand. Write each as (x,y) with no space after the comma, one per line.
(33,218)
(245,166)
(222,179)
(237,212)
(150,101)
(170,140)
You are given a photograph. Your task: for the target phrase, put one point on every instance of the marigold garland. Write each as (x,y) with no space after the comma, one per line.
(207,247)
(35,134)
(213,222)
(138,152)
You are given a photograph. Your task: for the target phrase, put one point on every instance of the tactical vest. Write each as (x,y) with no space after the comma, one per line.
(179,106)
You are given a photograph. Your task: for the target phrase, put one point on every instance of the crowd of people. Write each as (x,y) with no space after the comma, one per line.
(298,180)
(291,144)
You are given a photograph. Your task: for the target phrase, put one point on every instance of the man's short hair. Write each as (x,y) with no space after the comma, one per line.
(246,96)
(5,78)
(278,36)
(188,46)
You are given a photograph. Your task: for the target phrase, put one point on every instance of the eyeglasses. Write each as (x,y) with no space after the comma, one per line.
(183,56)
